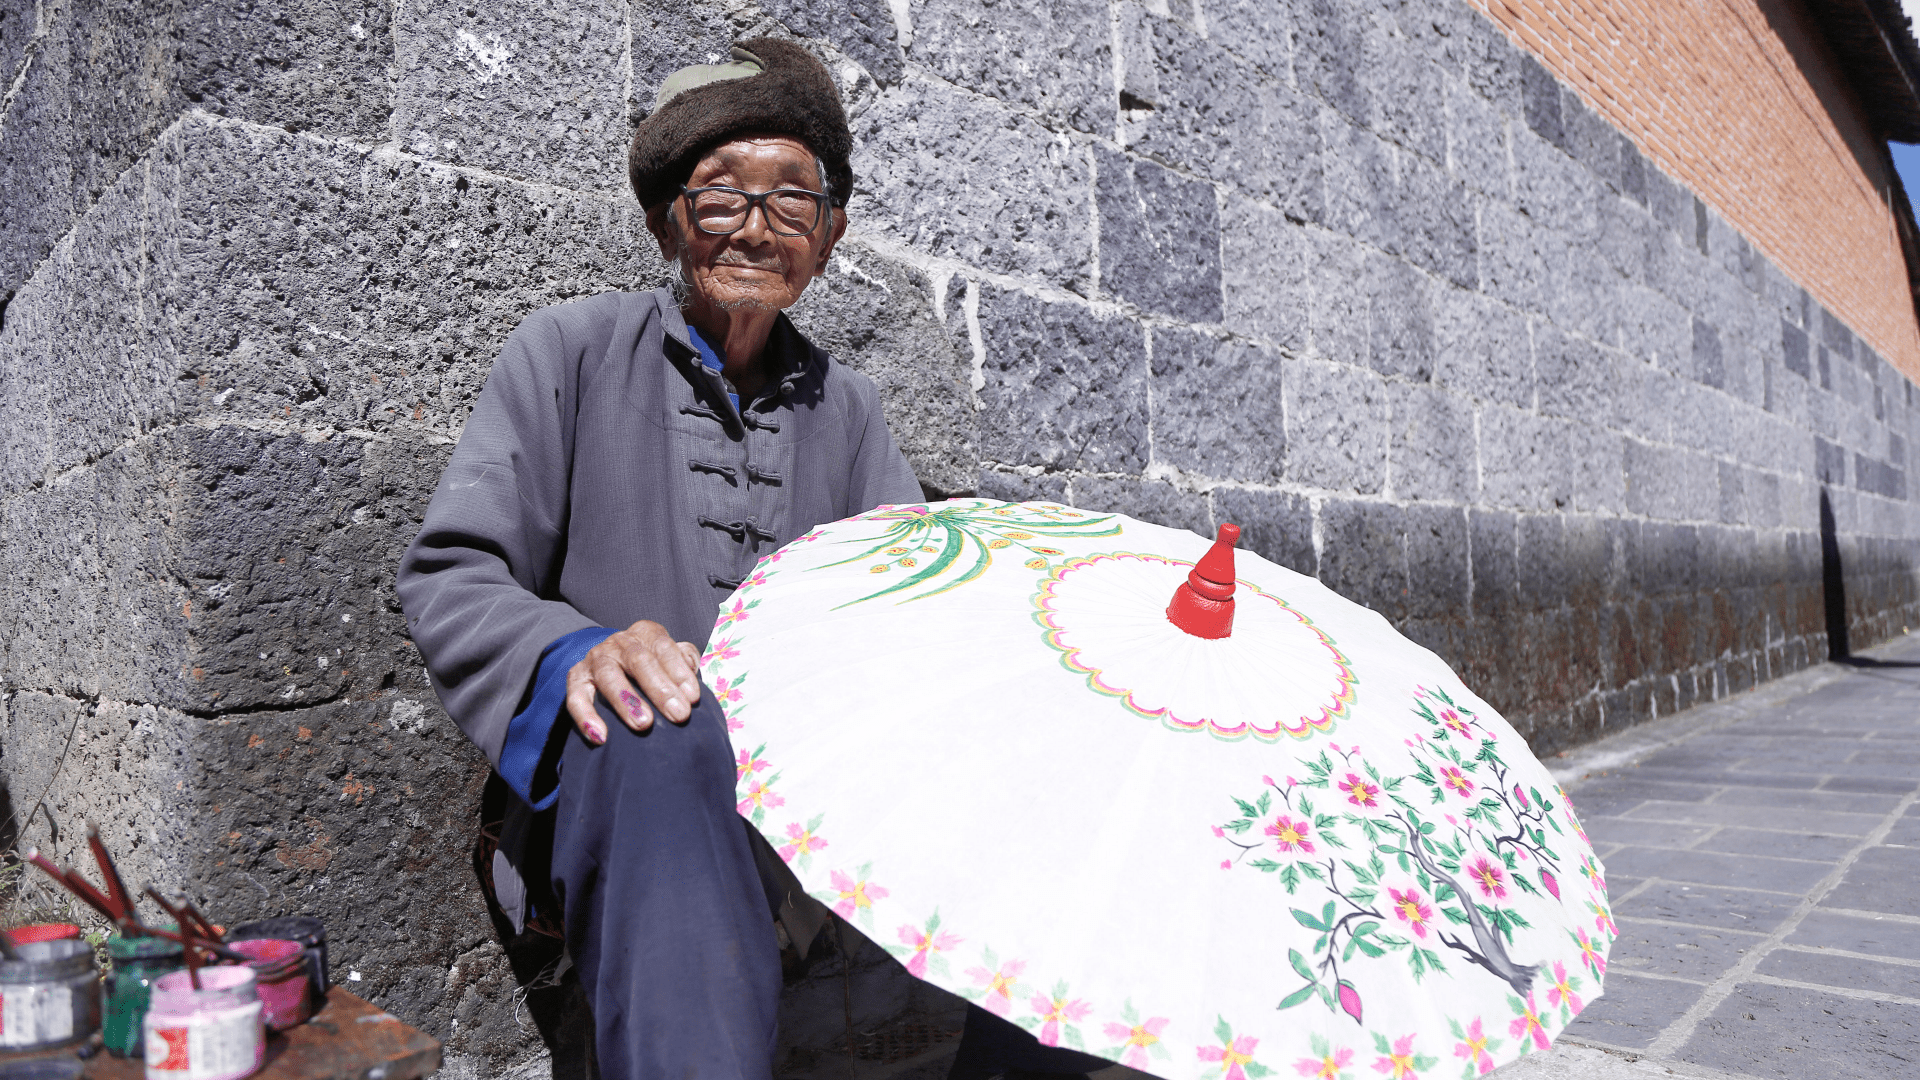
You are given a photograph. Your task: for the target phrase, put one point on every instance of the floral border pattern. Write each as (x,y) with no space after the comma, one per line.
(1338,706)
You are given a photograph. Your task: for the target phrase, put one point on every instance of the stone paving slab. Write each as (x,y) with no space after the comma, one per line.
(1762,855)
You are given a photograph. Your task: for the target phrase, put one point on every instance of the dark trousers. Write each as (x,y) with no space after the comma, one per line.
(669,923)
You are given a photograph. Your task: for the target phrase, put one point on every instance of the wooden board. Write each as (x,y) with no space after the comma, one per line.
(348,1040)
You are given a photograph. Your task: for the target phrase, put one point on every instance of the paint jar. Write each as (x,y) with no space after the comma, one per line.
(213,1033)
(306,930)
(280,971)
(49,931)
(137,961)
(49,997)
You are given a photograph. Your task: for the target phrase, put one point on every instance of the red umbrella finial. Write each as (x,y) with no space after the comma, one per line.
(1203,605)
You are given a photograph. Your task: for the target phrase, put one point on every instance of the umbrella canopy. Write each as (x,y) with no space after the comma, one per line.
(1293,842)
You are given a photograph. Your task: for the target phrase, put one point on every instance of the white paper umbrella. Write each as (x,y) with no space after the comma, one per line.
(974,732)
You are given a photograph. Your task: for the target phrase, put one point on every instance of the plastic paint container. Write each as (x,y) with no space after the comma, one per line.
(280,972)
(306,930)
(50,931)
(49,997)
(137,961)
(213,1033)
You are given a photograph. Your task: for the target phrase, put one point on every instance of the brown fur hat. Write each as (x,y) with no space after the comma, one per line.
(703,107)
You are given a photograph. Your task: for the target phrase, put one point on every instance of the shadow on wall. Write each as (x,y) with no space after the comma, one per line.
(1833,588)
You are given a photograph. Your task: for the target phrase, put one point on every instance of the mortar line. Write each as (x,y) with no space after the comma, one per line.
(1678,1032)
(1841,991)
(1856,913)
(1828,950)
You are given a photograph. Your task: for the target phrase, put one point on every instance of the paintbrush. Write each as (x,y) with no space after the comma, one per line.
(75,884)
(116,889)
(189,941)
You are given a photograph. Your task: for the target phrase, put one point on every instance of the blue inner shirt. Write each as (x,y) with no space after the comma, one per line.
(710,360)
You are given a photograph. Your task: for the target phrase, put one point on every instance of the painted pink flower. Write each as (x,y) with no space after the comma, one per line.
(1399,1062)
(800,841)
(1457,780)
(1219,832)
(998,986)
(1491,878)
(720,650)
(759,796)
(855,896)
(1527,1025)
(1473,1047)
(1360,792)
(1592,869)
(734,725)
(1564,986)
(749,761)
(1325,1067)
(1521,794)
(758,577)
(1055,1010)
(1552,883)
(1411,908)
(925,945)
(1603,919)
(1233,1055)
(1137,1039)
(1291,835)
(738,613)
(1589,953)
(726,691)
(1454,723)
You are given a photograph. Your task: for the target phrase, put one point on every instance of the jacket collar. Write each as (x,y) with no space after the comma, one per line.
(790,351)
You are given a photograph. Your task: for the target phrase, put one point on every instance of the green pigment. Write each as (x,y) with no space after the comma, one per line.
(136,963)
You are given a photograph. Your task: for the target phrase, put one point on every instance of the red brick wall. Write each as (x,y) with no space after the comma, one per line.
(1742,101)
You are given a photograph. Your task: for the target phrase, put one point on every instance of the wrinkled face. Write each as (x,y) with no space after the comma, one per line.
(755,268)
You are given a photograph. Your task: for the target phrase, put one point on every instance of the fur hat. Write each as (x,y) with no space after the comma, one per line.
(769,86)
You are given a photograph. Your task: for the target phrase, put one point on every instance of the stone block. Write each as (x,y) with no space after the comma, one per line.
(875,314)
(671,34)
(957,178)
(1495,547)
(1219,408)
(1709,363)
(1432,454)
(1727,909)
(1698,954)
(1065,386)
(1369,309)
(1159,238)
(1363,554)
(1634,1011)
(1477,149)
(1276,525)
(1400,203)
(1664,482)
(1439,578)
(1264,282)
(305,65)
(1218,119)
(532,89)
(1332,46)
(1148,500)
(1881,879)
(1520,258)
(1523,461)
(1336,426)
(1056,58)
(1020,487)
(1404,91)
(1854,1038)
(1593,142)
(1481,348)
(1713,869)
(38,153)
(1541,100)
(1553,190)
(370,293)
(864,30)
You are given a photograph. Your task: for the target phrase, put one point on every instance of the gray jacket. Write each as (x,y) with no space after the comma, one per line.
(603,478)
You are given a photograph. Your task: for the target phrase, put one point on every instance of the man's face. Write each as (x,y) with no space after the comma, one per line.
(754,268)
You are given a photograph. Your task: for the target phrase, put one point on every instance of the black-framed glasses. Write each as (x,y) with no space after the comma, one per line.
(723,211)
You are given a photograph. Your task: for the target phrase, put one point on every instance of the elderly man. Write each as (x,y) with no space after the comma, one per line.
(631,458)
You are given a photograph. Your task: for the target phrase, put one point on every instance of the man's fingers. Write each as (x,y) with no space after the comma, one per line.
(693,660)
(580,706)
(610,676)
(654,673)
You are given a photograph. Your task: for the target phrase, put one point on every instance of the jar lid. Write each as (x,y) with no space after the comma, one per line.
(220,987)
(43,960)
(142,948)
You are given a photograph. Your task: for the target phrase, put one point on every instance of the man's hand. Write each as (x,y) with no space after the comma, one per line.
(642,655)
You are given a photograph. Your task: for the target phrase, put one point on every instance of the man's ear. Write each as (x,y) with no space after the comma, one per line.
(662,231)
(837,230)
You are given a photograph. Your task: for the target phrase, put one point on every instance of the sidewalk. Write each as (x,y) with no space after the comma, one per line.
(1763,859)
